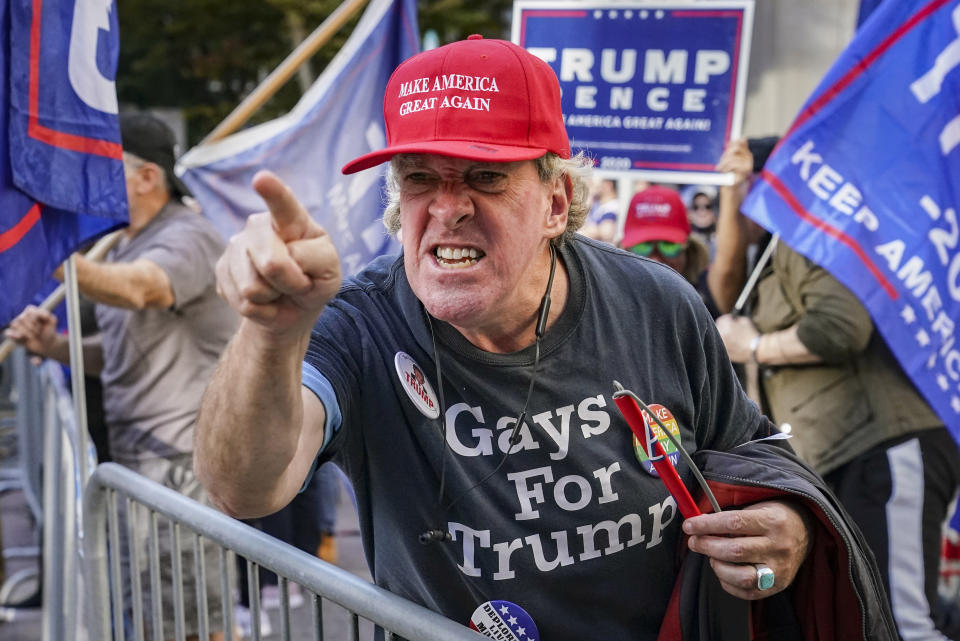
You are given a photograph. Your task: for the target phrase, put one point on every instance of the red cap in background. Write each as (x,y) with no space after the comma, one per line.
(656,213)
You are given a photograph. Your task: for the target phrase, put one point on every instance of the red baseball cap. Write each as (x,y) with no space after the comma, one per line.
(656,213)
(486,100)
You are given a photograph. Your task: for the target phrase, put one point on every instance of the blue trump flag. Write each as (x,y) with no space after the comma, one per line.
(867,181)
(61,174)
(339,118)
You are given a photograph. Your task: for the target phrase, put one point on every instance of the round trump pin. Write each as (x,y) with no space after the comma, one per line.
(504,621)
(416,385)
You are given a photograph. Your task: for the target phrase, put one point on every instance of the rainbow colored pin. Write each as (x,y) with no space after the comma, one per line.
(630,407)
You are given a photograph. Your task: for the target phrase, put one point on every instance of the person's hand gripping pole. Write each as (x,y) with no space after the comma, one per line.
(282,268)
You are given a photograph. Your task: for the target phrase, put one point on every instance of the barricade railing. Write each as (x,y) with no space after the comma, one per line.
(28,401)
(22,435)
(63,600)
(47,445)
(76,542)
(191,523)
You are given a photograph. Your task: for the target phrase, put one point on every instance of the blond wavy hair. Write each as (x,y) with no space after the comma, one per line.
(549,166)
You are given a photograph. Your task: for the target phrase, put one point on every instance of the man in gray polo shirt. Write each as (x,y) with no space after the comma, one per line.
(162,329)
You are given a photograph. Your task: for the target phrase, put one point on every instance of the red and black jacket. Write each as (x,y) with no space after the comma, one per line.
(837,595)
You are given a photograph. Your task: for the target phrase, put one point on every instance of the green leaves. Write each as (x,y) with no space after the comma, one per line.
(204,56)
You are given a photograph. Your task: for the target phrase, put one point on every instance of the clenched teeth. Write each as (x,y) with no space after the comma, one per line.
(457,256)
(451,253)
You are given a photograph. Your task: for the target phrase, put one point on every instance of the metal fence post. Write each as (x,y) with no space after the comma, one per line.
(30,438)
(52,627)
(95,559)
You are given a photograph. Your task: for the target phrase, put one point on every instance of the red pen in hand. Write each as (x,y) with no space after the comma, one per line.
(627,403)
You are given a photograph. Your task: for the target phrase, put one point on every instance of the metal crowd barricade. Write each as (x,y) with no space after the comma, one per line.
(47,444)
(62,598)
(77,536)
(28,403)
(189,522)
(26,438)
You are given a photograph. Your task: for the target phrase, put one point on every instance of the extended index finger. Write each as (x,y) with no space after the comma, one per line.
(290,218)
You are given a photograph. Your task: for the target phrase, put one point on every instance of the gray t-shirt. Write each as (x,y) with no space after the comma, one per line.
(571,527)
(158,361)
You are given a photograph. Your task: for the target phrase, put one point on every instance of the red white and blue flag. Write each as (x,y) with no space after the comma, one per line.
(867,184)
(61,172)
(866,8)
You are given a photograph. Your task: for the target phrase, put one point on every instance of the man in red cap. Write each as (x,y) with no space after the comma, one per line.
(657,227)
(442,381)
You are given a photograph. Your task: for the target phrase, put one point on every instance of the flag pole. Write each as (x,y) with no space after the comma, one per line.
(76,369)
(97,252)
(279,76)
(755,275)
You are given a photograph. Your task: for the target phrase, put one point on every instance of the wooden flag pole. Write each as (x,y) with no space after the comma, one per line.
(279,76)
(97,252)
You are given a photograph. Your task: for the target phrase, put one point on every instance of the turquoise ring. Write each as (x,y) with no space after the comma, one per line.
(765,577)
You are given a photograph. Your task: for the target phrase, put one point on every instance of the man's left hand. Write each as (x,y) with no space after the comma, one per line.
(775,534)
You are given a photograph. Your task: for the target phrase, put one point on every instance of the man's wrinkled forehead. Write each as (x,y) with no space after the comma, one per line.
(417,161)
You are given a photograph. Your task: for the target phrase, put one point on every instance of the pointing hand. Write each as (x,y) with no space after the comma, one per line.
(282,268)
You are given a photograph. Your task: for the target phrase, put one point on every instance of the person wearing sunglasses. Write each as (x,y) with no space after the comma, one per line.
(701,203)
(657,227)
(703,210)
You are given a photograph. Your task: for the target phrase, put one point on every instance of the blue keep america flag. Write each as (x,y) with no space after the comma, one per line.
(338,119)
(866,8)
(61,173)
(867,183)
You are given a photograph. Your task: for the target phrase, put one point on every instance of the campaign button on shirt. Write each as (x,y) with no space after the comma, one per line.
(655,434)
(416,385)
(504,621)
